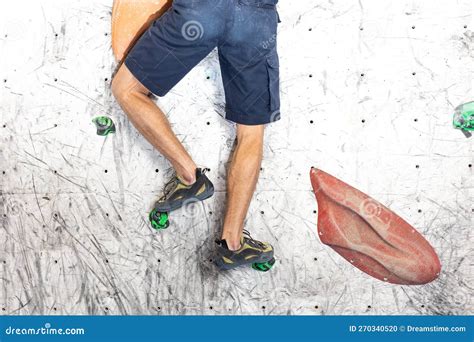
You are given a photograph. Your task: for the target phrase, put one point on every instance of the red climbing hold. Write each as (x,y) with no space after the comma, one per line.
(370,236)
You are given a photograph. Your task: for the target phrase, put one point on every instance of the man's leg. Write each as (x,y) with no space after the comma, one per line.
(241,181)
(148,118)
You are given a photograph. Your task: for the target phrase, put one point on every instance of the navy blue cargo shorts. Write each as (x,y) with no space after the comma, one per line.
(244,31)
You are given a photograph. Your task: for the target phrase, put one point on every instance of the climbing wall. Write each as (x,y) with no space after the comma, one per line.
(368,92)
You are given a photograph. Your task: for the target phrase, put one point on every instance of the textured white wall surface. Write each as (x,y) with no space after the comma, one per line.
(368,91)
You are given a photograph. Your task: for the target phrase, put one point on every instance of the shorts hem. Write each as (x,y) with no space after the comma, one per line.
(143,77)
(252,121)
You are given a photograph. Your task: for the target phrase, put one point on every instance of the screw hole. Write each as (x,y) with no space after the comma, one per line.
(156,170)
(210,307)
(106,79)
(413,27)
(106,171)
(106,309)
(311,121)
(361,28)
(413,73)
(315,259)
(470,165)
(208,77)
(262,212)
(363,120)
(55,261)
(263,307)
(316,307)
(208,123)
(416,120)
(419,210)
(362,75)
(417,166)
(369,307)
(315,211)
(310,29)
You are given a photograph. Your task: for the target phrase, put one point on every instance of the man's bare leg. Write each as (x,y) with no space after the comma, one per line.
(152,123)
(241,181)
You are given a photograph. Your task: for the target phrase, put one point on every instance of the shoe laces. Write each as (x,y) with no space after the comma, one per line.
(169,186)
(173,182)
(252,240)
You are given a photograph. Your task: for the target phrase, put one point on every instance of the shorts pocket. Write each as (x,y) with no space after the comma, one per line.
(273,69)
(269,4)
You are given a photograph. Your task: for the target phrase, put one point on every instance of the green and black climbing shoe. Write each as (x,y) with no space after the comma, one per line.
(176,194)
(251,252)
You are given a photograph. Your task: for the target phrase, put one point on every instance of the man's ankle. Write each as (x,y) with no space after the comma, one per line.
(232,244)
(187,178)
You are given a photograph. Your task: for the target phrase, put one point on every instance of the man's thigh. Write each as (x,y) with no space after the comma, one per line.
(250,64)
(176,42)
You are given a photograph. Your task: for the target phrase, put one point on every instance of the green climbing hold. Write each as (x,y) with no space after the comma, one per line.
(464,117)
(159,220)
(104,125)
(264,266)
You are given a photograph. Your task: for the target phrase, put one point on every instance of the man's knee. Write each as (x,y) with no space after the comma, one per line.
(250,135)
(125,85)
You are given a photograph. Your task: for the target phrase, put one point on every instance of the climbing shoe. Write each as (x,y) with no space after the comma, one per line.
(251,252)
